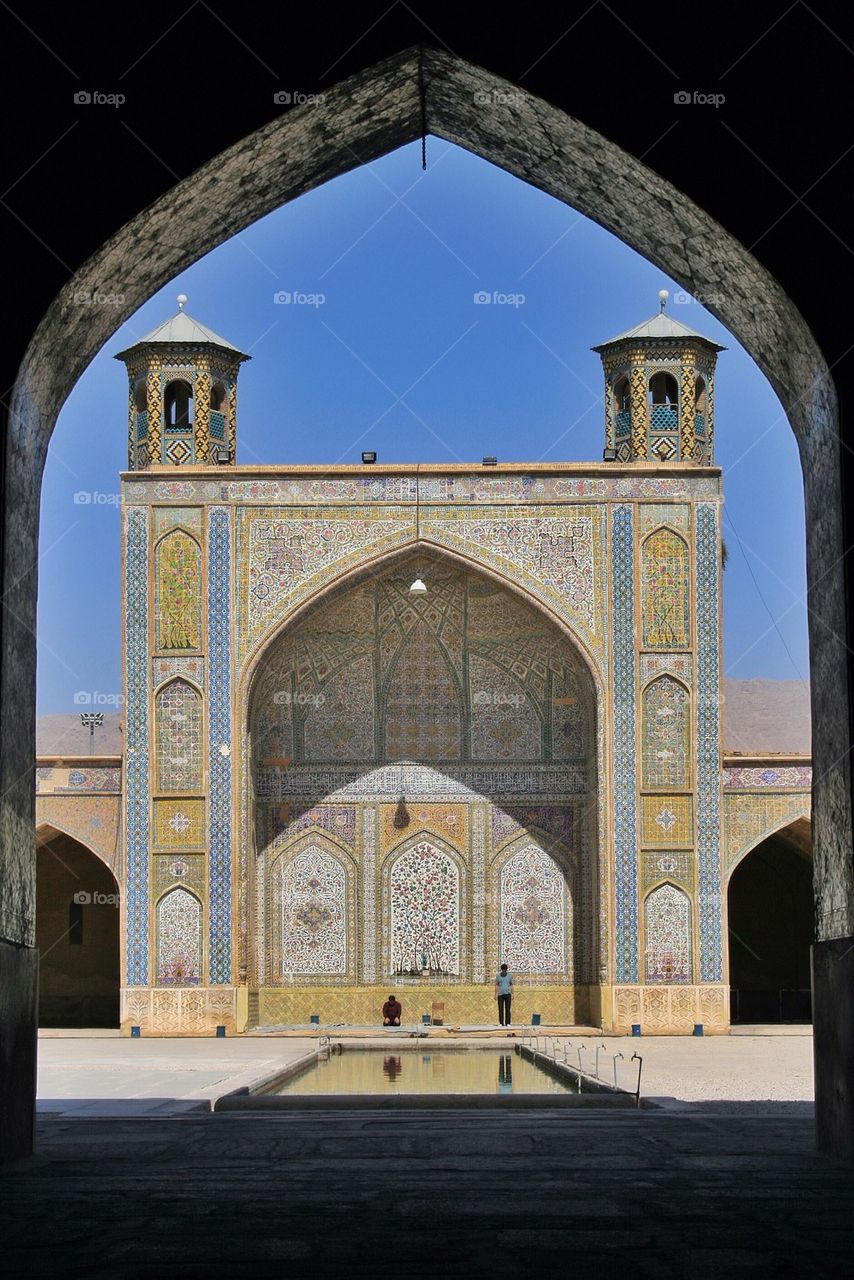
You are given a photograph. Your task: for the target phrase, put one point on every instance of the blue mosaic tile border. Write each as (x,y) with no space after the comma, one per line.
(625,804)
(219,736)
(708,745)
(136,742)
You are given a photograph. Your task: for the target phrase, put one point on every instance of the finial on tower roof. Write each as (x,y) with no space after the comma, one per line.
(663,295)
(182,299)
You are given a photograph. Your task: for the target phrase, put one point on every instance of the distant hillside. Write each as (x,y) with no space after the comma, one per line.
(758,715)
(766,715)
(64,735)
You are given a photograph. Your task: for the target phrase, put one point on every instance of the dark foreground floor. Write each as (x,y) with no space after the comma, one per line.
(519,1194)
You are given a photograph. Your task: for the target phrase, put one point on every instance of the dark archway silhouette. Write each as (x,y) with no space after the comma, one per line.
(77,934)
(771,930)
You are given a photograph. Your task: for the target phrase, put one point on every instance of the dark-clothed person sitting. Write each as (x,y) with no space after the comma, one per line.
(392,1009)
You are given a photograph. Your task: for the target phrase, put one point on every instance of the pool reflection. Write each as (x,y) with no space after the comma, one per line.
(505,1073)
(439,1071)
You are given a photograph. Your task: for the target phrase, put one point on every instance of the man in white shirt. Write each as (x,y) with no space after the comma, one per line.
(504,991)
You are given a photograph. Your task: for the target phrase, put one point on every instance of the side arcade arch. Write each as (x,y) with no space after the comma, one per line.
(771,926)
(77,933)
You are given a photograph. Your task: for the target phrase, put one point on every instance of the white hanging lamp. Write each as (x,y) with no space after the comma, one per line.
(418,587)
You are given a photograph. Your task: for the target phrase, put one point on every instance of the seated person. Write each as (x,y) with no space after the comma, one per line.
(392,1009)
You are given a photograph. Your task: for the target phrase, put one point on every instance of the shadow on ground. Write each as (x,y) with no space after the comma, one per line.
(433,1193)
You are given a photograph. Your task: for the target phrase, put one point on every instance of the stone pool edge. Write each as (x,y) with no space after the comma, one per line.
(257,1096)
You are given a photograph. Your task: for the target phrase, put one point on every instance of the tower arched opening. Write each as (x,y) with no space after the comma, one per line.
(178,405)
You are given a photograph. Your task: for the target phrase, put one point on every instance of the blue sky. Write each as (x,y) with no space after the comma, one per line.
(387,349)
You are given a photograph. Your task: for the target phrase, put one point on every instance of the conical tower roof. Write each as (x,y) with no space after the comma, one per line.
(658,327)
(184,330)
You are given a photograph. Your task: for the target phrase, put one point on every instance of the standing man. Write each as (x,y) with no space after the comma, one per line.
(504,990)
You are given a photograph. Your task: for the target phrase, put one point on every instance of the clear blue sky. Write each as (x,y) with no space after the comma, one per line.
(399,358)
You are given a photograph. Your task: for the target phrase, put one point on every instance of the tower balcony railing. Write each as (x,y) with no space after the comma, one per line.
(624,422)
(664,417)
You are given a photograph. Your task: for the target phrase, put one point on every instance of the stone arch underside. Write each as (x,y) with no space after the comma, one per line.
(751,818)
(464,716)
(75,821)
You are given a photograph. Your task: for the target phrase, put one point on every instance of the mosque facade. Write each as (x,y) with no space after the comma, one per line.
(386,727)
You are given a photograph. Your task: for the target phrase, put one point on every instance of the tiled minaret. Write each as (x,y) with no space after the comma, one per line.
(182,395)
(659,392)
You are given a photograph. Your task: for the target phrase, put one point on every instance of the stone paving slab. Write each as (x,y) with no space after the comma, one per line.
(115,1077)
(483,1194)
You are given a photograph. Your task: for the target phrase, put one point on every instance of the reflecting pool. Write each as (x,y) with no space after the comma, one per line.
(425,1071)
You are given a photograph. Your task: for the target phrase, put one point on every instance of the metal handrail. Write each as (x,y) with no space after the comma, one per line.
(640,1069)
(540,1045)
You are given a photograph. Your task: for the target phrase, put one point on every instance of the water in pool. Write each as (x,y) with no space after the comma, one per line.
(417,1071)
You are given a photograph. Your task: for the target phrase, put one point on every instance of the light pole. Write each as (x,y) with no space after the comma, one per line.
(92,720)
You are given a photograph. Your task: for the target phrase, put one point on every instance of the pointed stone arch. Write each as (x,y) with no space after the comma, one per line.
(771,926)
(272,756)
(77,931)
(797,819)
(359,120)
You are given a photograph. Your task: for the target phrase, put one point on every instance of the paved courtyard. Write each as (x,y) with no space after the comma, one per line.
(111,1075)
(136,1177)
(122,1077)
